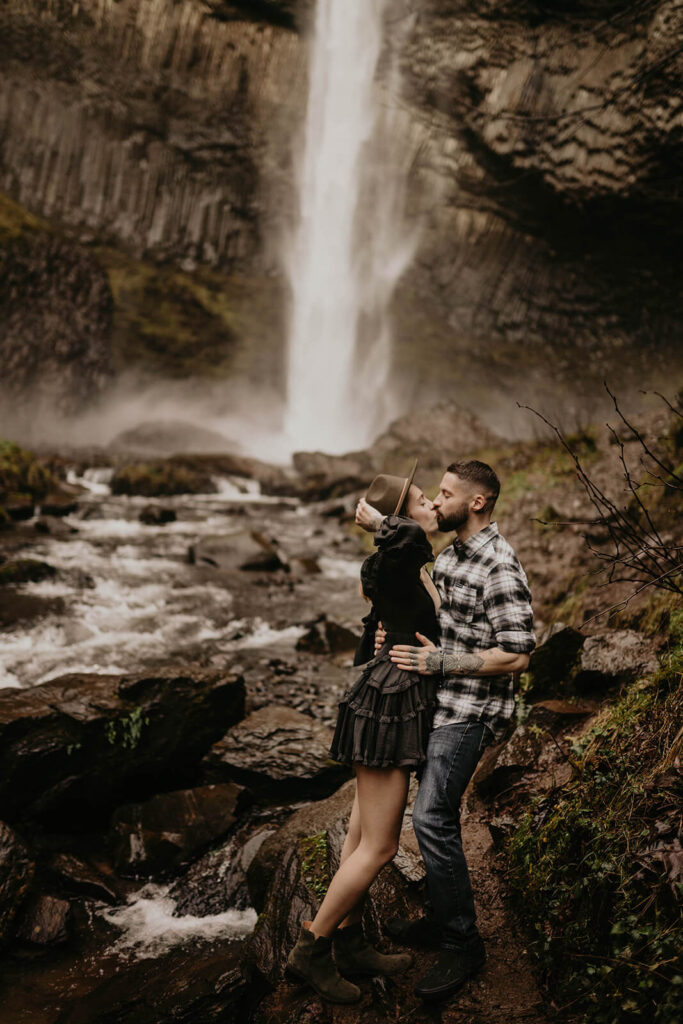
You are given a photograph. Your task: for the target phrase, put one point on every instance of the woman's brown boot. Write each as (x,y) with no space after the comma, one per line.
(311,961)
(355,956)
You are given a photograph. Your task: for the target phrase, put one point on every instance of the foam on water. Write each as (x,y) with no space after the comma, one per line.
(148,926)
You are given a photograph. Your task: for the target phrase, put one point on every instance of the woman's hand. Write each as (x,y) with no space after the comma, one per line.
(425,659)
(380,637)
(368,517)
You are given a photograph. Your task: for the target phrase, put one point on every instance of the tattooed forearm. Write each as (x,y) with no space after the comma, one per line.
(433,662)
(461,664)
(452,664)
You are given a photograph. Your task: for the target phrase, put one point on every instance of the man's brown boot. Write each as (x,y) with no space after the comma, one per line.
(355,956)
(311,961)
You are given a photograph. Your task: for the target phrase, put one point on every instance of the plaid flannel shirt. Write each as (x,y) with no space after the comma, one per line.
(485,602)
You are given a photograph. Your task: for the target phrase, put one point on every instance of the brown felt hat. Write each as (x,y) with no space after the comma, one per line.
(388,493)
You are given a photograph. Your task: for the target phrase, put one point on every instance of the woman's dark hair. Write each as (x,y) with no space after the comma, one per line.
(481,474)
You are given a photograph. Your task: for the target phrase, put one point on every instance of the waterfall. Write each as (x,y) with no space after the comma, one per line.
(349,248)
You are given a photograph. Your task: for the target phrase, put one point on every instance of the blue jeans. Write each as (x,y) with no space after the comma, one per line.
(452,755)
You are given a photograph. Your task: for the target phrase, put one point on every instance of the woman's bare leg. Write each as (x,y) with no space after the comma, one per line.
(350,843)
(381,794)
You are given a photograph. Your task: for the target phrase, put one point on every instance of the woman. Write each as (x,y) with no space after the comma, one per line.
(382,730)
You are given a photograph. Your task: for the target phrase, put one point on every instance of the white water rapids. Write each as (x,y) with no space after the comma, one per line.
(350,247)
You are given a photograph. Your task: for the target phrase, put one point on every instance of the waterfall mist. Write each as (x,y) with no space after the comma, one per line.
(350,246)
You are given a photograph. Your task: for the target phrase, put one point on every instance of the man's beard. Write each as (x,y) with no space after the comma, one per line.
(455,519)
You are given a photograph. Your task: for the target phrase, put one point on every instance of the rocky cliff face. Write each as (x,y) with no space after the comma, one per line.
(552,137)
(146,122)
(546,163)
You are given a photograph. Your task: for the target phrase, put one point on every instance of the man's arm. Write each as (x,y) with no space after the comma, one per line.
(507,603)
(429,659)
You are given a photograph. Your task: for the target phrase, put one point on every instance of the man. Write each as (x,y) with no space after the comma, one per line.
(486,635)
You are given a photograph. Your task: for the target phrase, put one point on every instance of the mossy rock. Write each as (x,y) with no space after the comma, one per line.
(23,479)
(160,477)
(25,570)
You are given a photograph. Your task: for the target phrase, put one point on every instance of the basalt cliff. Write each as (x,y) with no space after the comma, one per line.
(156,140)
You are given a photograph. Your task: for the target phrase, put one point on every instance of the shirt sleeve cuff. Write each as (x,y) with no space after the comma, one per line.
(516,642)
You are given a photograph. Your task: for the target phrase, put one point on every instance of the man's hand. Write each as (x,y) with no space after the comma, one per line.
(425,659)
(368,517)
(380,637)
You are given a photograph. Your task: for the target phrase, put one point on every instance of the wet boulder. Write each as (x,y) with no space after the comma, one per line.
(54,526)
(218,880)
(19,507)
(614,657)
(79,878)
(167,830)
(325,636)
(156,515)
(192,984)
(74,748)
(290,874)
(248,550)
(45,921)
(17,870)
(25,570)
(273,480)
(16,606)
(279,754)
(158,477)
(552,663)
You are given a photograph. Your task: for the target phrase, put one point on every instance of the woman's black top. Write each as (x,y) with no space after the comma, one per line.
(391,579)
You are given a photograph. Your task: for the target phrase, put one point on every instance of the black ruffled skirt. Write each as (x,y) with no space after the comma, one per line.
(385,718)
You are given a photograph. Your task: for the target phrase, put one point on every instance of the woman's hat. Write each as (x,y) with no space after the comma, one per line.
(387,493)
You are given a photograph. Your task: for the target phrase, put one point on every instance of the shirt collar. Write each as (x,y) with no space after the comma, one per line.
(476,541)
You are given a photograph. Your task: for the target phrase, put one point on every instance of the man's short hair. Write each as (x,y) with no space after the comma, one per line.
(478,473)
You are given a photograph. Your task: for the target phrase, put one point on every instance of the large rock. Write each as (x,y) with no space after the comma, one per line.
(218,880)
(198,984)
(614,657)
(325,636)
(45,921)
(75,747)
(553,662)
(25,570)
(16,874)
(277,753)
(160,477)
(79,878)
(162,833)
(289,876)
(438,435)
(249,550)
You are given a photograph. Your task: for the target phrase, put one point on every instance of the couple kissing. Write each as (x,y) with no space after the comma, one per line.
(439,654)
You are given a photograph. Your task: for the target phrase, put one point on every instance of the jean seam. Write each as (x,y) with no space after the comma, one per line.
(454,883)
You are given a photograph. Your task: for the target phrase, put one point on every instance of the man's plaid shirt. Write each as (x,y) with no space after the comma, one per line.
(485,602)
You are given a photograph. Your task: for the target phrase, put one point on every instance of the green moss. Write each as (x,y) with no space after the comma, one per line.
(15,220)
(127,729)
(588,866)
(22,478)
(203,323)
(315,866)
